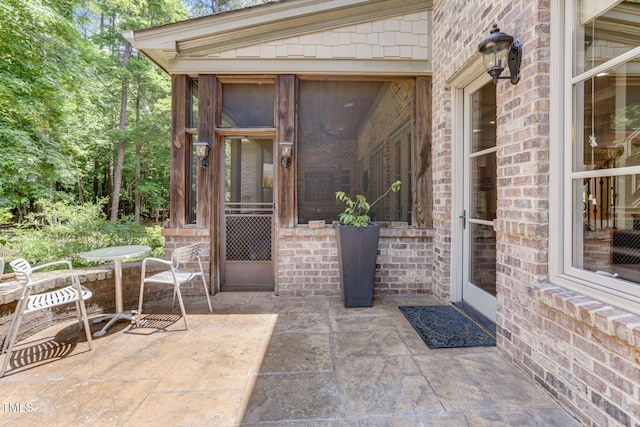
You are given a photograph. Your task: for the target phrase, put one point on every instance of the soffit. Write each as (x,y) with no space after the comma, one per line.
(621,23)
(260,24)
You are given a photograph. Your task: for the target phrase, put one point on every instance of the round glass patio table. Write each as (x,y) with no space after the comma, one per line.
(115,254)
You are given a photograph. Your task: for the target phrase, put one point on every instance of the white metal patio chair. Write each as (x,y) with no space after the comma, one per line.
(34,298)
(175,276)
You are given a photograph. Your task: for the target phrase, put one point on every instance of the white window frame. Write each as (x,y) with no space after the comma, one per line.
(620,293)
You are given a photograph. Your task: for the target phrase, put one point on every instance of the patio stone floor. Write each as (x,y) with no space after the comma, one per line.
(262,360)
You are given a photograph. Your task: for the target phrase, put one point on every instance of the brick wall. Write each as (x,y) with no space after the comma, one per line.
(308,262)
(582,351)
(177,237)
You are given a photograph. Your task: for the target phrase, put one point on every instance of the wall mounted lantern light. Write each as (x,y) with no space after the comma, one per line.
(202,152)
(499,50)
(285,152)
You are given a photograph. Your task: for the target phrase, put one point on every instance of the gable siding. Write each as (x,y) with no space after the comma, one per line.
(403,37)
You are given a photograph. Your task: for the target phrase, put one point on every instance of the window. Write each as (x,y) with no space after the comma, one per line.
(248,105)
(193,163)
(603,170)
(401,171)
(347,140)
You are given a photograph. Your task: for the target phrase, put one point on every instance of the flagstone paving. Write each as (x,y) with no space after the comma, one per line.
(263,360)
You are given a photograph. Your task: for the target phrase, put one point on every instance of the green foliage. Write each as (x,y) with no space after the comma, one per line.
(60,93)
(208,7)
(62,230)
(356,211)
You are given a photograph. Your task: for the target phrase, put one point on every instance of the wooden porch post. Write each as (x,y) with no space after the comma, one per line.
(285,131)
(207,89)
(180,103)
(423,190)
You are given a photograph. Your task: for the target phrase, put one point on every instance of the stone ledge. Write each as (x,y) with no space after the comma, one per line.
(328,231)
(85,274)
(605,318)
(186,231)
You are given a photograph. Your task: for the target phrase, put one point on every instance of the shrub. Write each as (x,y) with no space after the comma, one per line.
(62,230)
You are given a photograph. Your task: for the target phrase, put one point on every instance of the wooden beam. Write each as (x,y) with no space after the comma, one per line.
(179,150)
(423,188)
(206,132)
(285,131)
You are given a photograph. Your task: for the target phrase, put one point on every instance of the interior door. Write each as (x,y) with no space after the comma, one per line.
(246,221)
(480,198)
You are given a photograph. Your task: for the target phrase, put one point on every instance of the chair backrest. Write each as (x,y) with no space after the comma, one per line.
(21,265)
(22,269)
(185,254)
(1,266)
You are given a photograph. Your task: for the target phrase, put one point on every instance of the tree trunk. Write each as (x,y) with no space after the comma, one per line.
(136,192)
(117,174)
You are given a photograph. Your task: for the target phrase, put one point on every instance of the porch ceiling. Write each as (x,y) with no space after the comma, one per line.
(620,24)
(336,111)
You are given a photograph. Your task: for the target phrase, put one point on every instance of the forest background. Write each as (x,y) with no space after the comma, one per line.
(84,124)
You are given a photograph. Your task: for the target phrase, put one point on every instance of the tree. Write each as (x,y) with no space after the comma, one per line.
(117,16)
(39,87)
(209,7)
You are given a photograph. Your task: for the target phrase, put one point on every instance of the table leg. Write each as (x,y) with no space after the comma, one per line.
(119,314)
(114,319)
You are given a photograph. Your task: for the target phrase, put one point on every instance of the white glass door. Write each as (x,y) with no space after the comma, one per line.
(480,198)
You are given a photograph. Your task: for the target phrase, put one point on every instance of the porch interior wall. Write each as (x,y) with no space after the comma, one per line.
(393,109)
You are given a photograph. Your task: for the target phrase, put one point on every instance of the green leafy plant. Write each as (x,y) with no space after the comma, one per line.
(63,230)
(357,211)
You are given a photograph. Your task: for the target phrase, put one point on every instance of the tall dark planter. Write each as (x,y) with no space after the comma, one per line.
(357,252)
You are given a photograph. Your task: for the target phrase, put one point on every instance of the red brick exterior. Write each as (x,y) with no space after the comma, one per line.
(582,351)
(308,262)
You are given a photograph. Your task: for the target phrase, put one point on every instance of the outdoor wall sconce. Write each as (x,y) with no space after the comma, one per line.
(285,152)
(499,49)
(202,152)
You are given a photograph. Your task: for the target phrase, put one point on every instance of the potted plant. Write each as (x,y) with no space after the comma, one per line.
(357,239)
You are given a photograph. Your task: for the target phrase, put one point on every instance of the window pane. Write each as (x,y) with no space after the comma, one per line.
(484,177)
(609,230)
(484,118)
(345,142)
(247,105)
(194,103)
(609,35)
(483,257)
(608,116)
(193,174)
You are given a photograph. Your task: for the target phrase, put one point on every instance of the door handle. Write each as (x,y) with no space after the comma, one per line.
(463,217)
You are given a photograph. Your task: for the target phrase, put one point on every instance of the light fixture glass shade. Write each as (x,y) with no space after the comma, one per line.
(285,152)
(202,151)
(495,52)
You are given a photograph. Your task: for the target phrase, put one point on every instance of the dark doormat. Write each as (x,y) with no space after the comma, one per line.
(443,326)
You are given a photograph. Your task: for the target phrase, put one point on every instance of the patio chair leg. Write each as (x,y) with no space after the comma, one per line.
(84,324)
(206,292)
(17,317)
(10,340)
(175,289)
(184,313)
(139,313)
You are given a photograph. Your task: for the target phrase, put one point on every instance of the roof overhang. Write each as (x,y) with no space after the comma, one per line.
(190,47)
